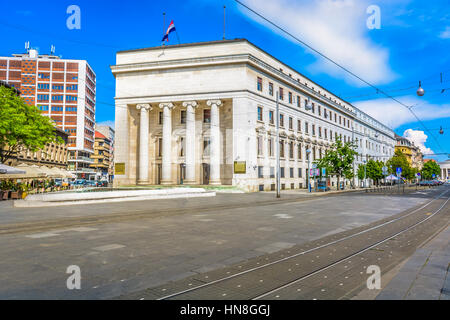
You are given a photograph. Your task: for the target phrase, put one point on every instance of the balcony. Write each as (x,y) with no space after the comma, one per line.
(81,159)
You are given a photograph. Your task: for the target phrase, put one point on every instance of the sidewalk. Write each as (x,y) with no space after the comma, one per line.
(425,275)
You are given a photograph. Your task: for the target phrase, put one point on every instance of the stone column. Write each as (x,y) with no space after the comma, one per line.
(167,143)
(143,143)
(215,142)
(190,141)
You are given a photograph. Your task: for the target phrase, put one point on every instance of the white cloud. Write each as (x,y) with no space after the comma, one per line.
(394,115)
(336,28)
(418,138)
(445,34)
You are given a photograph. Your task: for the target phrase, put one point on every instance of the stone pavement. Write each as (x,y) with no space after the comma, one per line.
(425,275)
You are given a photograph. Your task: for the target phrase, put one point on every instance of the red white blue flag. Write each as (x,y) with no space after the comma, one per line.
(169,30)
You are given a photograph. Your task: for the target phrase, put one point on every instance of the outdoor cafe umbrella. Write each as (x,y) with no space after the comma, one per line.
(391,177)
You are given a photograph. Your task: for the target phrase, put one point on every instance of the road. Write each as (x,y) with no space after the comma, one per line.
(166,248)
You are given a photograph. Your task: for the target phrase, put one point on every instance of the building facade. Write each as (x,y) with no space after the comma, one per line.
(445,170)
(101,157)
(65,91)
(412,152)
(109,133)
(205,113)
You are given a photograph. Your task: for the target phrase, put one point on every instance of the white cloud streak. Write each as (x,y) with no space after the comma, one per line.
(419,138)
(336,28)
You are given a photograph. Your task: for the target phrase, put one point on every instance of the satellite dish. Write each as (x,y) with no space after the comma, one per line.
(420,91)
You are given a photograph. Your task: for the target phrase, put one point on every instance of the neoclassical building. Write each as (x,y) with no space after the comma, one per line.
(204,113)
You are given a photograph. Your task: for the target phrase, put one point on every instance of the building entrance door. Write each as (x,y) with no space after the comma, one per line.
(205,173)
(158,173)
(182,173)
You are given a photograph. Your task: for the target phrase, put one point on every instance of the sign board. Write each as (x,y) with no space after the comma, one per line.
(119,169)
(418,174)
(240,167)
(324,172)
(399,172)
(314,166)
(314,172)
(434,176)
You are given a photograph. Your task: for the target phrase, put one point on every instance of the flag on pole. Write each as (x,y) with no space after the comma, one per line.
(169,30)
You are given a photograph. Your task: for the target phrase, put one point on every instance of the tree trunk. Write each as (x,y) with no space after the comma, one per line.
(338,182)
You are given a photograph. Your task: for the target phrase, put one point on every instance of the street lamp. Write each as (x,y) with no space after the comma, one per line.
(365,167)
(308,152)
(420,91)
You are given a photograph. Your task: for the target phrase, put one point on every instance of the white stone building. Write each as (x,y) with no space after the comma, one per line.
(204,113)
(445,170)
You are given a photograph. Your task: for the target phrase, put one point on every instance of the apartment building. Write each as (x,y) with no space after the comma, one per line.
(65,91)
(102,157)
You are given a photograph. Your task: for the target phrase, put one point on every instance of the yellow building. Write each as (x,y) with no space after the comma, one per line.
(412,152)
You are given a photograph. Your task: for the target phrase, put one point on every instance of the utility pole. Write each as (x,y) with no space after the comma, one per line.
(278,148)
(353,140)
(308,155)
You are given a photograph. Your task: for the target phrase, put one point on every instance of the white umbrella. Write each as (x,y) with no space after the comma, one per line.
(4,169)
(391,177)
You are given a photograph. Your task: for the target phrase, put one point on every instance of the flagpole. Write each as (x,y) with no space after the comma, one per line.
(164,25)
(176,32)
(224,10)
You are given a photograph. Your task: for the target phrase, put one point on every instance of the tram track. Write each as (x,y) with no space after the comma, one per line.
(380,231)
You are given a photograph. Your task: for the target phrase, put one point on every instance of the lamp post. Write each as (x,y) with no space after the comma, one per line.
(308,152)
(278,148)
(365,172)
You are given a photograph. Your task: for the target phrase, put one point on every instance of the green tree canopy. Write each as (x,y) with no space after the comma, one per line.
(429,168)
(339,160)
(22,126)
(399,161)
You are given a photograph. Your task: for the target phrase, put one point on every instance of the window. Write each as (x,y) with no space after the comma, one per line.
(291,150)
(298,101)
(299,152)
(335,117)
(207,116)
(161,116)
(259,141)
(319,110)
(313,108)
(291,123)
(259,85)
(281,148)
(320,132)
(306,127)
(300,173)
(272,172)
(260,172)
(271,147)
(43,108)
(340,120)
(271,88)
(290,97)
(281,120)
(182,146)
(160,147)
(206,145)
(43,97)
(326,133)
(282,172)
(299,125)
(281,94)
(44,86)
(57,98)
(71,98)
(260,114)
(183,116)
(313,129)
(271,117)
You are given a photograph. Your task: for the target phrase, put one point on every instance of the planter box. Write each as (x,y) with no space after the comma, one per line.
(15,195)
(5,195)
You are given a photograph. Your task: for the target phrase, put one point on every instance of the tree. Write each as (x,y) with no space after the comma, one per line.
(399,161)
(339,160)
(22,126)
(430,168)
(361,171)
(375,170)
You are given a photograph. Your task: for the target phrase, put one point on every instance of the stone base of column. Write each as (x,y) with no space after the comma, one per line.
(142,183)
(215,182)
(189,182)
(166,182)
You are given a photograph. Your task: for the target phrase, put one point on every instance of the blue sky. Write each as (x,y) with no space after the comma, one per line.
(412,44)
